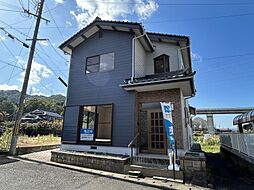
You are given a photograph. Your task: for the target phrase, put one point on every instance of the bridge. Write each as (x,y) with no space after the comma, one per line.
(209,112)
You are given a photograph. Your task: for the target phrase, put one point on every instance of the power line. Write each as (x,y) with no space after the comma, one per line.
(18,56)
(227,56)
(3,82)
(42,50)
(9,5)
(167,4)
(11,64)
(14,29)
(47,65)
(57,51)
(10,10)
(55,22)
(161,21)
(21,3)
(14,37)
(201,18)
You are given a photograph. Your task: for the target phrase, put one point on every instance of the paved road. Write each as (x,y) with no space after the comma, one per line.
(27,175)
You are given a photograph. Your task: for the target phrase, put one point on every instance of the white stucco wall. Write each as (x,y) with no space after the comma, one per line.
(144,61)
(184,120)
(163,48)
(140,60)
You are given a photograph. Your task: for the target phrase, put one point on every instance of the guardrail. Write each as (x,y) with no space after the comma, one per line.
(240,142)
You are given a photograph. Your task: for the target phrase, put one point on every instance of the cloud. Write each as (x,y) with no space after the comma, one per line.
(68,24)
(87,11)
(2,38)
(196,57)
(36,91)
(38,72)
(59,1)
(44,42)
(8,87)
(145,10)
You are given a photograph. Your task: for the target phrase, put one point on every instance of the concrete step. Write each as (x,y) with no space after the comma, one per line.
(148,171)
(151,161)
(135,173)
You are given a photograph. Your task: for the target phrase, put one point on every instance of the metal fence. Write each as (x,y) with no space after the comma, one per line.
(242,143)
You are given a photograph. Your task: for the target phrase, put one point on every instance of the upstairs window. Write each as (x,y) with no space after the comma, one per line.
(161,64)
(104,62)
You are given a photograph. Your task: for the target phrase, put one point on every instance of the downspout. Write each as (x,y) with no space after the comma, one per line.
(133,56)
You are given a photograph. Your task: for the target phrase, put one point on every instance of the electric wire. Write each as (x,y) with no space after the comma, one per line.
(45,62)
(18,56)
(57,51)
(55,23)
(10,10)
(58,69)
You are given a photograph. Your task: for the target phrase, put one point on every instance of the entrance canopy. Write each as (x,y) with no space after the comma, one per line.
(244,118)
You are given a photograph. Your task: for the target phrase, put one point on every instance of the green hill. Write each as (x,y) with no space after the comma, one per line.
(9,102)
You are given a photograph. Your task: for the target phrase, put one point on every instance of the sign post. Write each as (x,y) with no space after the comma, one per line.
(168,123)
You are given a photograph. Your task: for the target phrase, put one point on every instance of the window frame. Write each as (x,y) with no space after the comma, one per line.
(99,55)
(164,56)
(80,122)
(92,64)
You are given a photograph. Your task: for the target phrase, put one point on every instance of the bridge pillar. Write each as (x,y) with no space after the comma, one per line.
(210,124)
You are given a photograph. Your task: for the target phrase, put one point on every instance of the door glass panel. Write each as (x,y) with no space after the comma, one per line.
(157,132)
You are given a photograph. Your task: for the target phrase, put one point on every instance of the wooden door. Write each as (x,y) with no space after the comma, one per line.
(156,132)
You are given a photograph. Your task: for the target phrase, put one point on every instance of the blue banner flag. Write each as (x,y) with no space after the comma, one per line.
(167,115)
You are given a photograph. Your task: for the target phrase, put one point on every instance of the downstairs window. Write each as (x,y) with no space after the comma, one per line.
(96,124)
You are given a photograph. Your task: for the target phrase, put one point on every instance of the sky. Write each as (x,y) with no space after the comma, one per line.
(220,31)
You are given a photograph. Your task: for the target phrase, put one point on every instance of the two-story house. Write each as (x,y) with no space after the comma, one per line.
(118,76)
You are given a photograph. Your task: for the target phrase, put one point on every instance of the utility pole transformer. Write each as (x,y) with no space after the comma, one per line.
(16,127)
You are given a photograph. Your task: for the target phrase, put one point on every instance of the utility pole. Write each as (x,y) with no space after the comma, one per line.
(16,127)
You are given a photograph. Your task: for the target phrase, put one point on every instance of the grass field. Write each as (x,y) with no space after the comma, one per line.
(209,145)
(24,141)
(39,140)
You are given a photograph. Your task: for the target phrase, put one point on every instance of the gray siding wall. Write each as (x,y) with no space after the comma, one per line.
(69,134)
(104,87)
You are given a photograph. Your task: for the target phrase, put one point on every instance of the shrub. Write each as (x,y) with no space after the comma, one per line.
(5,140)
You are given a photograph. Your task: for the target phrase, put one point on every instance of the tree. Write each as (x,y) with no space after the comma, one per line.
(6,106)
(199,123)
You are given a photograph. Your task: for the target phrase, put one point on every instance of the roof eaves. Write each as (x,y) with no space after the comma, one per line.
(167,35)
(96,22)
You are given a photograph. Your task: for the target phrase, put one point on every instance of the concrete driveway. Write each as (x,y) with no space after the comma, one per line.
(23,174)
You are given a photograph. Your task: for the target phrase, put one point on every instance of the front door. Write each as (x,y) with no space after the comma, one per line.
(156,132)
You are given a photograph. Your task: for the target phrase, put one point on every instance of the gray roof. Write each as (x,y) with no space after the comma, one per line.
(170,77)
(160,77)
(132,27)
(244,118)
(48,113)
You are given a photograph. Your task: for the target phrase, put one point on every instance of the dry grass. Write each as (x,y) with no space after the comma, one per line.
(24,141)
